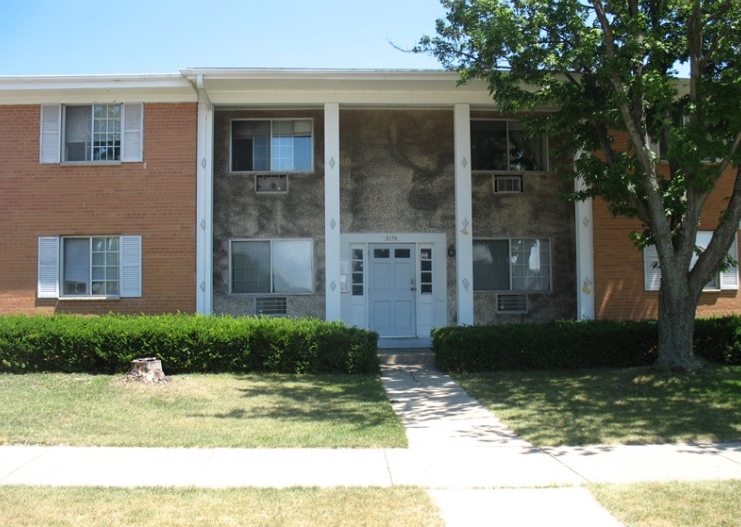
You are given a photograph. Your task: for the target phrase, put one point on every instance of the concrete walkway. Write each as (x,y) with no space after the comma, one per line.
(440,417)
(478,471)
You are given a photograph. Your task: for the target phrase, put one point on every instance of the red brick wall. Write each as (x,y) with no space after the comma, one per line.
(155,199)
(618,265)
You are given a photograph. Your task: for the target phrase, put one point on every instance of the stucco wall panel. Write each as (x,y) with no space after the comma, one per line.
(396,176)
(396,170)
(538,211)
(242,213)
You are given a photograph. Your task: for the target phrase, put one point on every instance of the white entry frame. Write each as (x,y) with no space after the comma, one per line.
(430,305)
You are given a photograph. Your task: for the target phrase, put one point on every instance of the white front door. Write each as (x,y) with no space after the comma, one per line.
(392,289)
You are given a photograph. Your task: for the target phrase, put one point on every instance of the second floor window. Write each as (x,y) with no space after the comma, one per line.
(503,146)
(92,133)
(272,146)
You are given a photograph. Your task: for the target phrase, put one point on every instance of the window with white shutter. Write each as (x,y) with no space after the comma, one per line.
(724,280)
(89,266)
(96,133)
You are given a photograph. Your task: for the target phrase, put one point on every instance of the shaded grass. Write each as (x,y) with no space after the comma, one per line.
(673,504)
(623,406)
(250,411)
(166,507)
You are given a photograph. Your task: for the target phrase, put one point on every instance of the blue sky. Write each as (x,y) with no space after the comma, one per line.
(52,37)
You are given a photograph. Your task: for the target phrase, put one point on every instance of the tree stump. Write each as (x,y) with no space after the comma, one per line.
(147,370)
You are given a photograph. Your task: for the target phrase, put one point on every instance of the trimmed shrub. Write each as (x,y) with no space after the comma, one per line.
(553,345)
(719,339)
(574,345)
(185,344)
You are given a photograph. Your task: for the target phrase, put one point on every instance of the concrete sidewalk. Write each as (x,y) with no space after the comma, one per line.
(438,413)
(478,471)
(435,467)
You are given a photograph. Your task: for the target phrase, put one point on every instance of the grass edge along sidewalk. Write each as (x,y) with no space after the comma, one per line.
(199,410)
(613,406)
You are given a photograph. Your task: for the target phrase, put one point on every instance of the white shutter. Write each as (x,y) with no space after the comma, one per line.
(729,277)
(655,147)
(132,126)
(48,279)
(702,240)
(50,140)
(131,266)
(651,271)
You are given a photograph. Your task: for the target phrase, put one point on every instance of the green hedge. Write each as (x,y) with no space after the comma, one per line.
(185,344)
(719,339)
(573,345)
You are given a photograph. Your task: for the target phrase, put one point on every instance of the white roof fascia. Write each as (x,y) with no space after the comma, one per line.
(89,89)
(356,88)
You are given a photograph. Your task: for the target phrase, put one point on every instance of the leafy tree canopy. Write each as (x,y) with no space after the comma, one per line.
(600,67)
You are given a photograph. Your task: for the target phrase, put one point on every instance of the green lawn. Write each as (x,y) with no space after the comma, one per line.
(547,408)
(250,411)
(673,504)
(613,406)
(165,507)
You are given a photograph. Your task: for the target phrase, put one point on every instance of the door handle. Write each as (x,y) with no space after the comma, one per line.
(413,288)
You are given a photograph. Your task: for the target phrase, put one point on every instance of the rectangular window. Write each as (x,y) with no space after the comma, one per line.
(90,266)
(272,266)
(93,133)
(272,146)
(517,264)
(502,145)
(723,280)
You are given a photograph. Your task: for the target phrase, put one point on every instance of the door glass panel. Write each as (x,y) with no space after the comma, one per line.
(357,272)
(381,253)
(402,253)
(425,263)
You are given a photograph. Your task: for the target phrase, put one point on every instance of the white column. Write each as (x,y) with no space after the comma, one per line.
(463,214)
(204,208)
(584,256)
(332,211)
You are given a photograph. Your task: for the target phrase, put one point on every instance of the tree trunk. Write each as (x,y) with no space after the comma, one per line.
(146,370)
(677,307)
